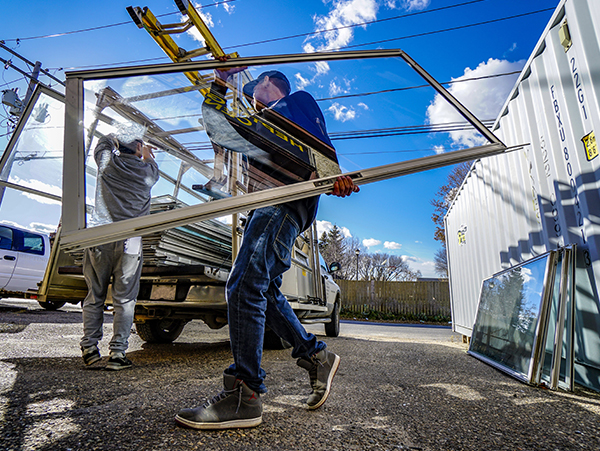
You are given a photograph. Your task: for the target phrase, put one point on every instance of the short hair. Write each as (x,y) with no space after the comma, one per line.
(130,147)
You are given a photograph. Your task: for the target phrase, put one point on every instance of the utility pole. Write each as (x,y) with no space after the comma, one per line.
(10,96)
(16,106)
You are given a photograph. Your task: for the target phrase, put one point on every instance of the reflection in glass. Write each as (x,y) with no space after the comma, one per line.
(159,111)
(508,315)
(35,163)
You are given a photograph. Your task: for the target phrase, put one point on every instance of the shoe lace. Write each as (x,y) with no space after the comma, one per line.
(224,394)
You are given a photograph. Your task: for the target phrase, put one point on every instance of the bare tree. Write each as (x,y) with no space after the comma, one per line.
(440,260)
(362,265)
(386,267)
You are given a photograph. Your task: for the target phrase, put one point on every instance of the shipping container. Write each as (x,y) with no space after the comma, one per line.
(516,206)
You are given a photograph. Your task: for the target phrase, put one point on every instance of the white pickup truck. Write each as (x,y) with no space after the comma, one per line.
(23,259)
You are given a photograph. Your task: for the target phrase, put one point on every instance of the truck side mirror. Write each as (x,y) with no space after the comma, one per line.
(335,266)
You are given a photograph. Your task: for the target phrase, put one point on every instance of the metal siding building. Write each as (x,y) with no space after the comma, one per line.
(513,207)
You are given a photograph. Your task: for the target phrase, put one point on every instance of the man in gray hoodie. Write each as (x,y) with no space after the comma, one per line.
(126,174)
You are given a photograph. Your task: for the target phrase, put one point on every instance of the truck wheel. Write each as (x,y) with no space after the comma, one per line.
(332,329)
(272,341)
(160,330)
(52,305)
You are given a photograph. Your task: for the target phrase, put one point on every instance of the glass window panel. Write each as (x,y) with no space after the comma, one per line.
(36,162)
(171,114)
(32,244)
(553,315)
(6,238)
(30,211)
(508,315)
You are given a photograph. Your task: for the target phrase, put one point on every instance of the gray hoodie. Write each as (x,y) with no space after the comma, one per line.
(123,184)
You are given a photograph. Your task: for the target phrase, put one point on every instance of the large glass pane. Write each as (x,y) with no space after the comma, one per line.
(507,318)
(553,317)
(35,162)
(212,143)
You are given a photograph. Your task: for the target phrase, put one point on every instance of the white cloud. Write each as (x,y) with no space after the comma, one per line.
(415,5)
(229,7)
(438,149)
(33,226)
(427,267)
(363,105)
(410,5)
(342,113)
(321,67)
(326,226)
(12,223)
(483,98)
(301,82)
(43,228)
(39,186)
(346,232)
(206,18)
(339,87)
(323,227)
(392,245)
(344,14)
(334,88)
(370,242)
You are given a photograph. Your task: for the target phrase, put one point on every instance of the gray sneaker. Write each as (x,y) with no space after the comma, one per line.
(321,369)
(237,406)
(90,355)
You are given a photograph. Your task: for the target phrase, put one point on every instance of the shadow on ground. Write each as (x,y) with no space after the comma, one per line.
(386,396)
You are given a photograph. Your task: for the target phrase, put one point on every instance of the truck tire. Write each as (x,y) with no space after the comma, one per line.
(332,329)
(160,330)
(52,305)
(272,341)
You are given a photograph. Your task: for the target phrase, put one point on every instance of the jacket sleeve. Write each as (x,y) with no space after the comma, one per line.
(103,151)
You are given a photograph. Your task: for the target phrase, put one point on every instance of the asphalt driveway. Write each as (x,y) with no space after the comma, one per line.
(398,387)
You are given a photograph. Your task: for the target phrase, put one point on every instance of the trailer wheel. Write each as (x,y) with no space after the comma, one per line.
(160,330)
(52,305)
(272,341)
(332,329)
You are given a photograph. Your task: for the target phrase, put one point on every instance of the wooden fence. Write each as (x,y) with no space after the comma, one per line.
(413,299)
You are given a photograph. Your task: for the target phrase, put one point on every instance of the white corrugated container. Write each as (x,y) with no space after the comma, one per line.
(513,207)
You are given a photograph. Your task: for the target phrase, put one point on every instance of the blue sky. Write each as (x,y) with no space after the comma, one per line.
(392,216)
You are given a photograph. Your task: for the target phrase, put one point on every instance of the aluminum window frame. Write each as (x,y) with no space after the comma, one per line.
(75,235)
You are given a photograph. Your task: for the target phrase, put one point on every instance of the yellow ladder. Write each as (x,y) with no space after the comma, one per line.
(161,33)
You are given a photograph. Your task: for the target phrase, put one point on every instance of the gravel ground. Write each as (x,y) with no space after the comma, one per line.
(389,394)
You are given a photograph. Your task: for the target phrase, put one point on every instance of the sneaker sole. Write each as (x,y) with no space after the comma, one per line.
(231,424)
(117,367)
(334,368)
(92,360)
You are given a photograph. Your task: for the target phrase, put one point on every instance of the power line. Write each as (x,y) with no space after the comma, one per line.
(443,127)
(406,88)
(318,32)
(446,127)
(447,29)
(101,27)
(355,25)
(364,44)
(114,64)
(11,82)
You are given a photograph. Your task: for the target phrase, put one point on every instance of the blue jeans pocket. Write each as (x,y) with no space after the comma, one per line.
(284,240)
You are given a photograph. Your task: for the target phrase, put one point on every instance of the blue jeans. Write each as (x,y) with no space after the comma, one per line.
(254,298)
